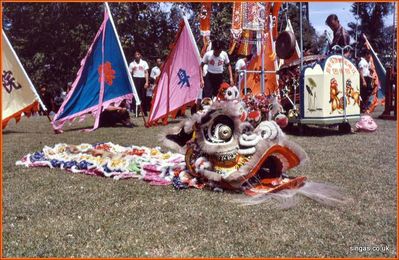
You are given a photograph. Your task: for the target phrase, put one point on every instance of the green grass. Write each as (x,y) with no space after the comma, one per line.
(49,212)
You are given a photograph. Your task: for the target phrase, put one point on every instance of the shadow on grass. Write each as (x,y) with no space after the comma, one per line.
(176,120)
(315,131)
(173,121)
(6,132)
(80,129)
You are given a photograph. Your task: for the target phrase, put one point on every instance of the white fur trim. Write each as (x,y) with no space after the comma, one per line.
(248,151)
(211,175)
(249,140)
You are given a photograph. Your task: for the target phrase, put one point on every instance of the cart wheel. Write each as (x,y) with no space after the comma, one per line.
(344,128)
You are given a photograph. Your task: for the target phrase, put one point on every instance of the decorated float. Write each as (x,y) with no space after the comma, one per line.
(313,90)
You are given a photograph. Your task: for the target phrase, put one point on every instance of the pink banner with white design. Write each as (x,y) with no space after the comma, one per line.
(179,82)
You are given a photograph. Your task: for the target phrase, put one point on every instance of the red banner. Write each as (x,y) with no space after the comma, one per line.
(205,18)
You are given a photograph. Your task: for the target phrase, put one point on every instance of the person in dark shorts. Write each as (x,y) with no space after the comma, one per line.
(154,75)
(139,70)
(216,59)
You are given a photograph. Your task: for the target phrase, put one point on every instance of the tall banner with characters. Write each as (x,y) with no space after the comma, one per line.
(253,80)
(18,93)
(255,15)
(330,90)
(205,25)
(205,18)
(378,74)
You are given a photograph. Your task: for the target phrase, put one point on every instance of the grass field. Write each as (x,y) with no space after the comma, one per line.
(48,212)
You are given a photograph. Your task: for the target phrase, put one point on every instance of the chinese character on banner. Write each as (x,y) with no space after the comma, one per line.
(183,77)
(9,82)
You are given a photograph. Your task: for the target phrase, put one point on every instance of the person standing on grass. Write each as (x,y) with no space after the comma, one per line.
(216,59)
(58,100)
(154,75)
(366,79)
(139,70)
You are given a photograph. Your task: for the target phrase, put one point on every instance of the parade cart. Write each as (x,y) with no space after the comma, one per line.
(319,90)
(325,92)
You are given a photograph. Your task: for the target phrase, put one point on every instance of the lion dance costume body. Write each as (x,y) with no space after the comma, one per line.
(228,145)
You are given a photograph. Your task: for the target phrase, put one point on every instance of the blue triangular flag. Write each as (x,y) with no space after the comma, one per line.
(102,80)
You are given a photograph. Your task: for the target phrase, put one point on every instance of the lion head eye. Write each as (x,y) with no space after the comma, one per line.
(225,132)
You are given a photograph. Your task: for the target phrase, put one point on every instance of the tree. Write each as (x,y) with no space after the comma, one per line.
(371,23)
(388,54)
(145,27)
(321,44)
(220,21)
(52,38)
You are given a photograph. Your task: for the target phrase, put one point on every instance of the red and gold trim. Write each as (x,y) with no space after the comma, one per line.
(34,107)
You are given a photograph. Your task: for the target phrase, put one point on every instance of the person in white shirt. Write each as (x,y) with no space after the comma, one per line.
(216,59)
(241,65)
(154,75)
(139,70)
(365,79)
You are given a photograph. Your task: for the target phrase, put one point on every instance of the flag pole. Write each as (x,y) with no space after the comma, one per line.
(48,117)
(375,54)
(125,60)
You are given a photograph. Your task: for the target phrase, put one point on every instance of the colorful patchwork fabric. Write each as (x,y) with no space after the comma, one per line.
(111,160)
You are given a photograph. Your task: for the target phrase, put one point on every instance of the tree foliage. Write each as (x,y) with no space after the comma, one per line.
(220,21)
(52,39)
(371,23)
(145,27)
